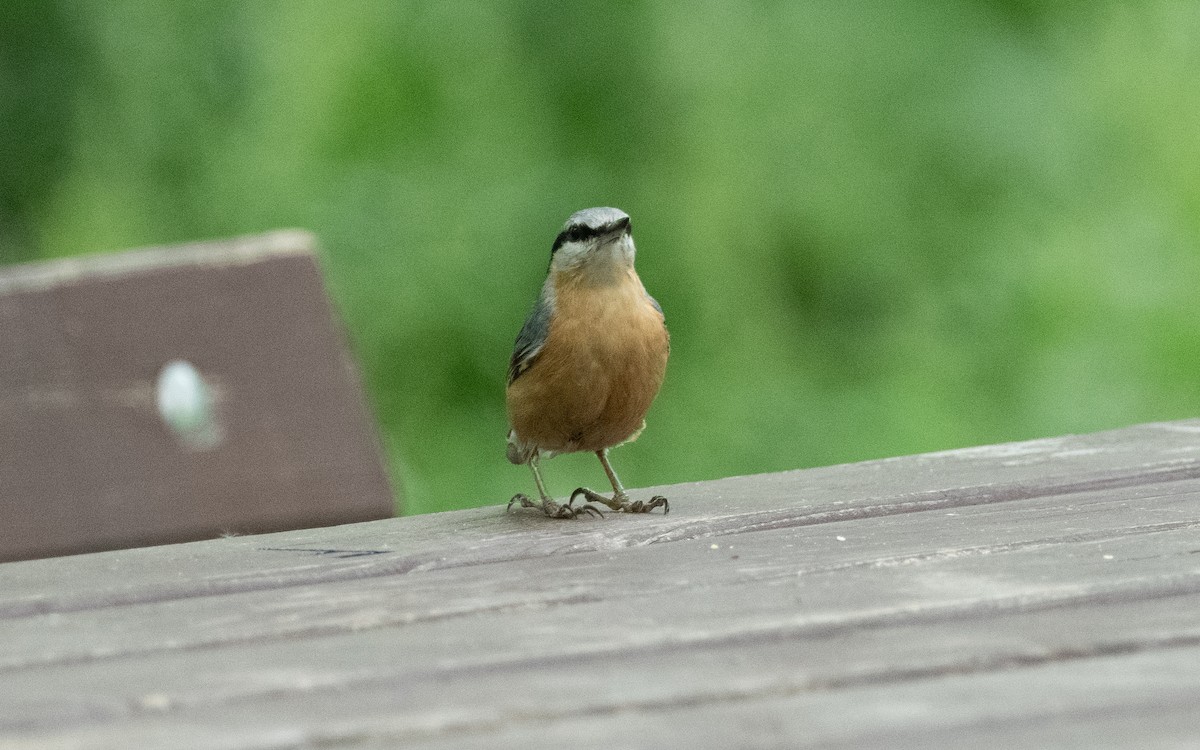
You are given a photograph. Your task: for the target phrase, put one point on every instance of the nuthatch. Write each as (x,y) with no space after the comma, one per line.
(588,361)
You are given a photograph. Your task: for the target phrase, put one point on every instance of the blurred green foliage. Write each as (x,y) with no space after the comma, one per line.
(876,228)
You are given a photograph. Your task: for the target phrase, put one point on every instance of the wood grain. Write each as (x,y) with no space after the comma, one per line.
(1041,593)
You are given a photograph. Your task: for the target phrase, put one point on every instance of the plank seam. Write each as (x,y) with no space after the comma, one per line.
(757,521)
(974,664)
(408,618)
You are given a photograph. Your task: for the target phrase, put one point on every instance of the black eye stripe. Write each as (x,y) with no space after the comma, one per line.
(578,232)
(573,234)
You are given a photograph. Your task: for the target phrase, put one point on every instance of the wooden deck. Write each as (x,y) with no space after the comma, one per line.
(1026,595)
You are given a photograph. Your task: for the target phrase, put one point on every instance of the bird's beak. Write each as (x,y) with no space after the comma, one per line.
(619,227)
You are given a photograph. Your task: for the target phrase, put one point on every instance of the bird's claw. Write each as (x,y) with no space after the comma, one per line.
(570,511)
(620,501)
(553,509)
(523,499)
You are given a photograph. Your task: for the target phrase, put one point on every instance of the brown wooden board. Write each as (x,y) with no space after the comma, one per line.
(1034,594)
(86,461)
(988,475)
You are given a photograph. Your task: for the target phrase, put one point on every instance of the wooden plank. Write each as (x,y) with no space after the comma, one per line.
(826,629)
(1143,700)
(1139,700)
(882,552)
(86,462)
(941,481)
(987,596)
(323,697)
(897,625)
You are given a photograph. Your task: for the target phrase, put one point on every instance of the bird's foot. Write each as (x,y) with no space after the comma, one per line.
(621,501)
(553,509)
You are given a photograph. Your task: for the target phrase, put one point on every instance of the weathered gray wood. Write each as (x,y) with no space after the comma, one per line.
(1032,593)
(888,549)
(891,627)
(974,476)
(87,464)
(1136,700)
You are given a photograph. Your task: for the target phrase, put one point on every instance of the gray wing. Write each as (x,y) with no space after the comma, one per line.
(656,305)
(530,339)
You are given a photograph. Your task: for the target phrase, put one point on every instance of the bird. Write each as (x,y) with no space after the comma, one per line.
(588,362)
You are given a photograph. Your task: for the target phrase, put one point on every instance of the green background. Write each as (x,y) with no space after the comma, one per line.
(876,228)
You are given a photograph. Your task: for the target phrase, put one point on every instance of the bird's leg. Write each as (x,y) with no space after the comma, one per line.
(548,506)
(620,500)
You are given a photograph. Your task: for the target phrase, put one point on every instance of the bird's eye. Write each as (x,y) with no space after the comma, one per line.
(577,232)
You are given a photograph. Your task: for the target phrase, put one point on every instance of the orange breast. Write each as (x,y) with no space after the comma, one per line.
(597,374)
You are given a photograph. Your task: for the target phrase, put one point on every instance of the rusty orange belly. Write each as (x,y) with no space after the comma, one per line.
(597,374)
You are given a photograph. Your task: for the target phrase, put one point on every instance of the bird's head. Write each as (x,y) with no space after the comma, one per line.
(595,241)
